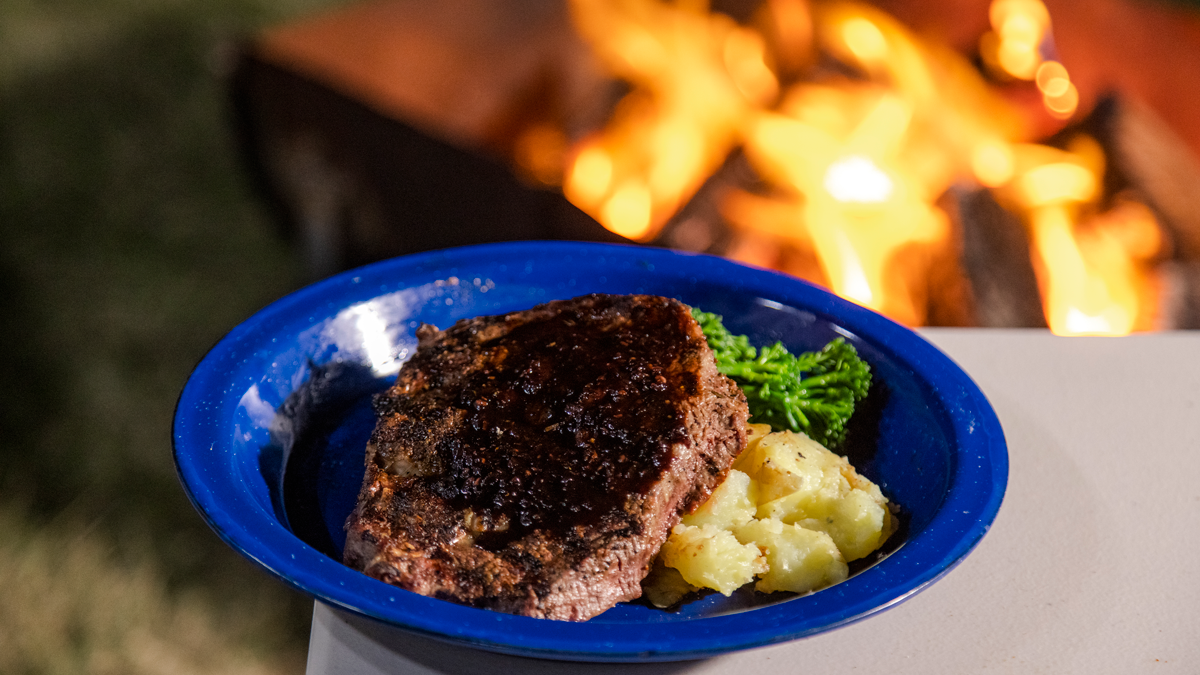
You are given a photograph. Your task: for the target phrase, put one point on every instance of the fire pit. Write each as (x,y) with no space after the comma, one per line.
(979,185)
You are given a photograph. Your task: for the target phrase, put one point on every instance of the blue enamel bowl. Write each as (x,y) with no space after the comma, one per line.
(270,429)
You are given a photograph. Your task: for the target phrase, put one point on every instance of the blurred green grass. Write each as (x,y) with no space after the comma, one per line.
(130,241)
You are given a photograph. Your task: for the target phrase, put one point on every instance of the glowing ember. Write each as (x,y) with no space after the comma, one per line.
(1052,79)
(1062,105)
(1014,49)
(1019,28)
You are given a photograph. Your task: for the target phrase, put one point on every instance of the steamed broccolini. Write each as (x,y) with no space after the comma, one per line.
(814,392)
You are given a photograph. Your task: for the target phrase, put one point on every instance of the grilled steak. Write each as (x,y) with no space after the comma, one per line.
(534,463)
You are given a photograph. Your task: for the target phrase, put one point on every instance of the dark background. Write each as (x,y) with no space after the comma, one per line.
(130,242)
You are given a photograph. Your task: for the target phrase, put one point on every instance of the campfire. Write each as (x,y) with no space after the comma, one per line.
(831,142)
(854,129)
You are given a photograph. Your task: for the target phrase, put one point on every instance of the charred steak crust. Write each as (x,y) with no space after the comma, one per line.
(533,463)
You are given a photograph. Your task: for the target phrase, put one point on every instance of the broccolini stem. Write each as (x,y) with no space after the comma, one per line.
(781,387)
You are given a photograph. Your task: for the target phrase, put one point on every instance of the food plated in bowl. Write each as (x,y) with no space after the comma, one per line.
(271,430)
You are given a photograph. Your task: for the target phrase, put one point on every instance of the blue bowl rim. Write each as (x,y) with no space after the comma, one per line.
(977,485)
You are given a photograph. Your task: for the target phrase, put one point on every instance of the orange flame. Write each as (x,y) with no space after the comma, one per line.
(1093,269)
(854,167)
(857,207)
(696,75)
(865,163)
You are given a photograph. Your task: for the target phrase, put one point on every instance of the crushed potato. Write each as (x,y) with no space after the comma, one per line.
(712,558)
(791,514)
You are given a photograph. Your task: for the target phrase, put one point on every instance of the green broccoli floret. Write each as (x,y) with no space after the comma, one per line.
(814,392)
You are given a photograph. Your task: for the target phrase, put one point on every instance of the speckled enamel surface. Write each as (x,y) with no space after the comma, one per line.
(268,435)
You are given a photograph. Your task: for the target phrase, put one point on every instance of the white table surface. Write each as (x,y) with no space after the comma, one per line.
(1092,565)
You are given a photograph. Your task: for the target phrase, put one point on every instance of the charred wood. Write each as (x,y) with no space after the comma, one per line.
(995,259)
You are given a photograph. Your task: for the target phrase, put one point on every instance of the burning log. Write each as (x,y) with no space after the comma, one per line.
(1149,161)
(996,262)
(1145,210)
(699,226)
(1147,157)
(1186,305)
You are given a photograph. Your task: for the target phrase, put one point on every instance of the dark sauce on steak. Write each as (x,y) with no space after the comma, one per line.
(566,417)
(533,463)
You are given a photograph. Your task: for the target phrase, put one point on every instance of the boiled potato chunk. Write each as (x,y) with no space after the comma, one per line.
(790,512)
(712,558)
(731,504)
(857,523)
(774,463)
(755,433)
(799,560)
(830,496)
